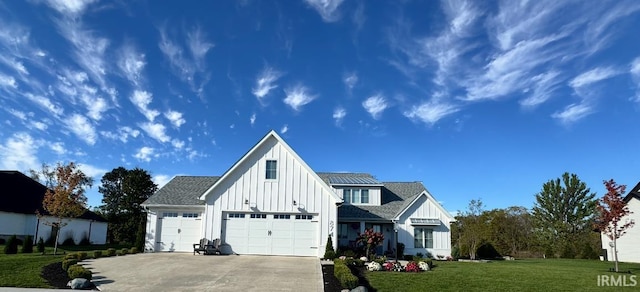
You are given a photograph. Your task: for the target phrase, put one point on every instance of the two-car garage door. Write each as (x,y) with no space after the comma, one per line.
(271,234)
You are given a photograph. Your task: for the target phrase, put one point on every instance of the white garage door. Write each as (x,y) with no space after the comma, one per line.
(271,234)
(179,231)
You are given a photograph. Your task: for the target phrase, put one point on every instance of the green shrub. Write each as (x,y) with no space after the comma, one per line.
(72,256)
(78,271)
(111,252)
(12,245)
(27,245)
(344,275)
(41,245)
(141,235)
(133,250)
(83,255)
(349,253)
(97,254)
(84,241)
(329,252)
(2,241)
(124,251)
(68,263)
(68,242)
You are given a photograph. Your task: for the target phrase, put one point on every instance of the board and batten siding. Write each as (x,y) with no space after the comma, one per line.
(628,247)
(424,207)
(247,183)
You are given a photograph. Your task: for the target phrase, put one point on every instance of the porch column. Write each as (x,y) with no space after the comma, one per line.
(362,227)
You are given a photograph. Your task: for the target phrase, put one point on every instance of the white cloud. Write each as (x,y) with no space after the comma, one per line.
(543,87)
(338,115)
(156,131)
(144,154)
(122,134)
(175,117)
(95,106)
(573,113)
(19,152)
(178,144)
(375,105)
(328,9)
(82,128)
(350,80)
(39,125)
(71,8)
(252,120)
(592,76)
(92,171)
(430,112)
(18,114)
(298,96)
(141,99)
(58,148)
(284,129)
(265,82)
(199,46)
(131,63)
(45,103)
(634,70)
(161,180)
(8,81)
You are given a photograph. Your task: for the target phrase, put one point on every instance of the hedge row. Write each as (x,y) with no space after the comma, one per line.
(344,275)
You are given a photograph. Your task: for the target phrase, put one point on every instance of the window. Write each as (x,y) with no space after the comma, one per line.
(190,215)
(304,217)
(356,196)
(169,214)
(236,215)
(343,230)
(281,216)
(272,169)
(377,228)
(259,216)
(423,238)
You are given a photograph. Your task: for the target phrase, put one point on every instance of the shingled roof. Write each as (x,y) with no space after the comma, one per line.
(21,194)
(395,197)
(634,193)
(182,191)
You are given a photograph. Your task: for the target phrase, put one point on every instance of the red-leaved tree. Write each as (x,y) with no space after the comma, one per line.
(370,239)
(611,210)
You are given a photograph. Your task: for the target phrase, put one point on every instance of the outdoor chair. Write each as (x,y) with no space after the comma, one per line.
(207,247)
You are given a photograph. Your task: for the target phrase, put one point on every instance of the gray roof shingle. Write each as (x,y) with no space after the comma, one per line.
(182,190)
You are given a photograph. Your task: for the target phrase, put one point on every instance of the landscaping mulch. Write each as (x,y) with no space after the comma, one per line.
(55,275)
(360,272)
(331,283)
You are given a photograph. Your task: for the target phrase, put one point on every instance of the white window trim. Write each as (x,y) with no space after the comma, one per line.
(350,197)
(266,170)
(424,237)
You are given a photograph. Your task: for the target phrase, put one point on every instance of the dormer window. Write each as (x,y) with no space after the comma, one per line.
(272,169)
(356,196)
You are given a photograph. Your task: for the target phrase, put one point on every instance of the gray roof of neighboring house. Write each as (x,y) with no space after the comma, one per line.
(395,197)
(634,193)
(182,190)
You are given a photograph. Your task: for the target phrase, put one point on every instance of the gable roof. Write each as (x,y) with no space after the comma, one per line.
(396,198)
(22,194)
(271,135)
(182,191)
(634,193)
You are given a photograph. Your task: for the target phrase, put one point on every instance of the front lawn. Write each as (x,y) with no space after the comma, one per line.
(520,275)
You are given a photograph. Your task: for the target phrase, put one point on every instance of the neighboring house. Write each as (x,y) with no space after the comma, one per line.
(21,197)
(628,247)
(271,202)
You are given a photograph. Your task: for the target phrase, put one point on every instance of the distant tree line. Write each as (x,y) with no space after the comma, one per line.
(563,223)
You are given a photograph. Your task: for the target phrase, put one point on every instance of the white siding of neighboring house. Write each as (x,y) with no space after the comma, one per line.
(374,194)
(294,183)
(425,208)
(628,245)
(25,224)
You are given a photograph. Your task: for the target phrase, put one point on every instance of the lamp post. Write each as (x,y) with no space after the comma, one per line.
(395,231)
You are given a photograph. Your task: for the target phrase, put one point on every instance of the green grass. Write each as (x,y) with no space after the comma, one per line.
(23,270)
(520,275)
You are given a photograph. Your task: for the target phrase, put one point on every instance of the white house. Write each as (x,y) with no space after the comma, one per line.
(22,196)
(270,202)
(628,245)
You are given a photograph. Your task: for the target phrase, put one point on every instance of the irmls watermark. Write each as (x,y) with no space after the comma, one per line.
(617,280)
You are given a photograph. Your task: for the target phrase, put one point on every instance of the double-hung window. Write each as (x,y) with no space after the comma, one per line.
(356,196)
(272,169)
(422,237)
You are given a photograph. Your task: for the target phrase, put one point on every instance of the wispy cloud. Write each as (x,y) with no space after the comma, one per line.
(82,128)
(375,105)
(131,63)
(298,96)
(543,86)
(634,70)
(58,148)
(199,46)
(144,154)
(92,171)
(19,152)
(592,76)
(265,82)
(430,112)
(156,131)
(328,9)
(141,99)
(284,129)
(123,134)
(175,117)
(573,112)
(338,115)
(161,179)
(252,119)
(70,8)
(350,80)
(7,82)
(45,103)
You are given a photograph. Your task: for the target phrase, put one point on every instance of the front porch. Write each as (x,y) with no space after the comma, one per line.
(348,233)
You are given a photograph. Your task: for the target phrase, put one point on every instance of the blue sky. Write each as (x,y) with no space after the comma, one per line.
(476,100)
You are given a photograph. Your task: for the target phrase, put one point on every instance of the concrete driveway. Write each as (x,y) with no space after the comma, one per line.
(187,272)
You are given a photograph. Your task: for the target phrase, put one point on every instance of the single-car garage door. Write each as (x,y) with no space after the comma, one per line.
(271,234)
(179,231)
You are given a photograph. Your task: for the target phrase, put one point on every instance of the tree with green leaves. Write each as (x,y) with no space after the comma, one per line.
(123,192)
(611,210)
(510,230)
(470,228)
(65,196)
(563,214)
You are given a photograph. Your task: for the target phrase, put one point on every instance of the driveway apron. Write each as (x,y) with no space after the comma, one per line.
(187,272)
